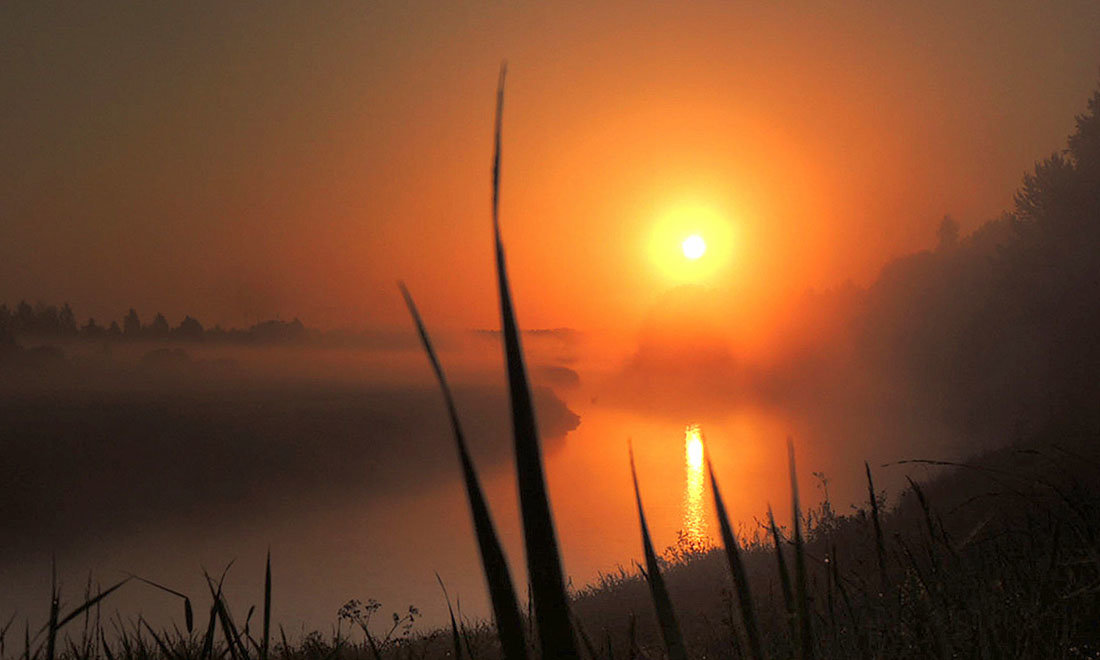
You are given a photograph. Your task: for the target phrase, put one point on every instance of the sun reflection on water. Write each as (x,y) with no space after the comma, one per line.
(695,521)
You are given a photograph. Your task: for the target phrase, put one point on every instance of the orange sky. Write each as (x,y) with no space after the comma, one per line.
(242,163)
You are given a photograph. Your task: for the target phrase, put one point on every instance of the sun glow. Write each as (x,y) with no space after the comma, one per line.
(677,248)
(695,522)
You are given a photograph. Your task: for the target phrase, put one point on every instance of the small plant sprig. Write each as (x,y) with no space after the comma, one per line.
(359,613)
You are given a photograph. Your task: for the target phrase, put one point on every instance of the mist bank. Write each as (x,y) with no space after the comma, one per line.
(102,445)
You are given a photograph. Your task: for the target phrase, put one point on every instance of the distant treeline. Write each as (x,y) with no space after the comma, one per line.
(51,321)
(1002,324)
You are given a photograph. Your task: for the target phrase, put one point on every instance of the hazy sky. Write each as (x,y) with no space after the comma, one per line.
(242,161)
(239,162)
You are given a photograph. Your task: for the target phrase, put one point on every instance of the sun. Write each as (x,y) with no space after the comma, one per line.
(693,242)
(694,247)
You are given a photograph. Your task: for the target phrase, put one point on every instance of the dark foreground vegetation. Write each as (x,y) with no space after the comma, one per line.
(993,558)
(996,558)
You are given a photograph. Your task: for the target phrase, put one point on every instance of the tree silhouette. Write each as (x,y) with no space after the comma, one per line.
(947,236)
(159,328)
(189,329)
(131,325)
(24,317)
(47,319)
(66,320)
(1052,274)
(7,334)
(91,330)
(999,327)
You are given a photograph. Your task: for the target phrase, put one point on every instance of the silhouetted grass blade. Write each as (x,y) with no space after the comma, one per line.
(89,603)
(497,129)
(784,576)
(456,638)
(632,636)
(501,592)
(925,509)
(229,629)
(51,635)
(666,616)
(880,546)
(208,636)
(4,633)
(156,638)
(188,614)
(245,634)
(543,559)
(805,625)
(737,570)
(589,647)
(286,646)
(267,608)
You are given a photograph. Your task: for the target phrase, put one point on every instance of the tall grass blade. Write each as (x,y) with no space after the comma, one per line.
(737,570)
(830,598)
(858,628)
(87,619)
(632,634)
(543,560)
(286,646)
(180,637)
(126,644)
(666,615)
(229,629)
(466,634)
(72,651)
(245,631)
(501,592)
(107,653)
(805,625)
(156,638)
(188,614)
(784,575)
(880,545)
(220,618)
(208,636)
(589,647)
(4,634)
(456,638)
(267,608)
(88,604)
(51,635)
(211,626)
(927,511)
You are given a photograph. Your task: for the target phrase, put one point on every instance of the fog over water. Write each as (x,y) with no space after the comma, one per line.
(164,460)
(159,460)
